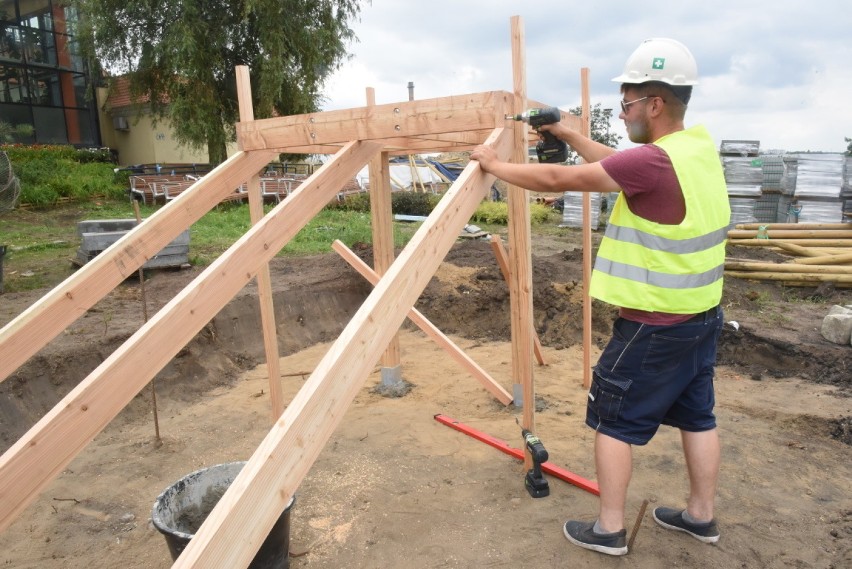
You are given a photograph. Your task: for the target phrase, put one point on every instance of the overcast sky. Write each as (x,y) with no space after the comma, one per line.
(779,71)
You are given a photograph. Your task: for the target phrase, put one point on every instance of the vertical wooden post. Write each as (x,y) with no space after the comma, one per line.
(520,252)
(586,129)
(383,253)
(264,281)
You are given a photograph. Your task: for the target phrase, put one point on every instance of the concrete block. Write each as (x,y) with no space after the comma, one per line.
(836,309)
(104,225)
(837,328)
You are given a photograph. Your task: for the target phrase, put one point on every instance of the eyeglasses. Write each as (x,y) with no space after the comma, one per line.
(626,104)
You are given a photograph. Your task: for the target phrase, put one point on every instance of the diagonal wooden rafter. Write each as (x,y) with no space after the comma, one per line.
(30,331)
(256,498)
(41,454)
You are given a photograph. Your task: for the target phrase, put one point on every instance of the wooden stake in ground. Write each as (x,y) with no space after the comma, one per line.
(145,318)
(636,525)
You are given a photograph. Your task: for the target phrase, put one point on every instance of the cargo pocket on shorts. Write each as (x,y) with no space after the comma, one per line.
(606,396)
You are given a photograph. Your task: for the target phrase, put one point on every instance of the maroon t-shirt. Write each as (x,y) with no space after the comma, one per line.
(652,191)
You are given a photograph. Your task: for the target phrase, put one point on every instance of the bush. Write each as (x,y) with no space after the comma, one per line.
(50,172)
(498,213)
(407,203)
(413,203)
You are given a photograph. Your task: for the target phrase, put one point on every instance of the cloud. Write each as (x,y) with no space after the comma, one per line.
(778,71)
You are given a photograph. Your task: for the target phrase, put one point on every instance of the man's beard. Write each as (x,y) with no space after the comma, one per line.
(637,131)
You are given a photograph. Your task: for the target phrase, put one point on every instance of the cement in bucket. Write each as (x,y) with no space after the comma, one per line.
(181,509)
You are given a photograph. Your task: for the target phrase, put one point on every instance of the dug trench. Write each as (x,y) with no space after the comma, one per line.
(771,335)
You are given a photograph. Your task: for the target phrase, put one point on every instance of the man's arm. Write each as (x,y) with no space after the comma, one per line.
(546,177)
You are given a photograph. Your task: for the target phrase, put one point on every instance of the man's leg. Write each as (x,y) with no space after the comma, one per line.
(614,464)
(703,457)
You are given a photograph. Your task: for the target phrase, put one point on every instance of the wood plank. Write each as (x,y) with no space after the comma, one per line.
(503,263)
(520,249)
(796,277)
(381,219)
(586,130)
(264,280)
(837,259)
(430,330)
(799,242)
(41,454)
(30,331)
(414,118)
(247,511)
(792,233)
(793,226)
(787,268)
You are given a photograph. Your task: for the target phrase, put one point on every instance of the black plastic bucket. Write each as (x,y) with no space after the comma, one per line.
(182,507)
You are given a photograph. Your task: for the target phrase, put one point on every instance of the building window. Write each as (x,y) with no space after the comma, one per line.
(42,75)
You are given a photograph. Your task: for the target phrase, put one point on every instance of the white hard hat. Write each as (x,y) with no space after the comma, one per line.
(660,59)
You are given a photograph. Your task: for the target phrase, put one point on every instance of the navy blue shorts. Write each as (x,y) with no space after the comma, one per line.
(652,375)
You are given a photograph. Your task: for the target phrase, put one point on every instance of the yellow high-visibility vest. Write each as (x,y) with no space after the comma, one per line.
(677,269)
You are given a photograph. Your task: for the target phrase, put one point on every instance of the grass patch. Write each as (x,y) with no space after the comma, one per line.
(41,242)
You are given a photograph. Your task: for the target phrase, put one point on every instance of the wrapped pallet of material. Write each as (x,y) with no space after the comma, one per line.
(572,211)
(743,171)
(819,182)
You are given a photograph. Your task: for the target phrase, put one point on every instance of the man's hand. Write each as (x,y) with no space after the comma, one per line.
(559,130)
(486,157)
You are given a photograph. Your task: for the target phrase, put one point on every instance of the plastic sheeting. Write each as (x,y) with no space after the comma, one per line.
(572,210)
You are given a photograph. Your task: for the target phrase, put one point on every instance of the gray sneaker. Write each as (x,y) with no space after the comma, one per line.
(670,518)
(583,534)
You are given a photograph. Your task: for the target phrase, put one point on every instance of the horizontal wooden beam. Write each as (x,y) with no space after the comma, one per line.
(30,331)
(443,115)
(41,454)
(243,517)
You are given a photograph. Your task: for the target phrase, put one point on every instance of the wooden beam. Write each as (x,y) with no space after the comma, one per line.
(381,218)
(586,130)
(243,517)
(800,242)
(392,121)
(41,454)
(30,331)
(796,277)
(793,233)
(264,281)
(430,330)
(503,263)
(787,268)
(520,250)
(837,259)
(772,226)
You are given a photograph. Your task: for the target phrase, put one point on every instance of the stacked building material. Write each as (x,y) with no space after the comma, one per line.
(572,210)
(743,177)
(817,181)
(98,234)
(766,207)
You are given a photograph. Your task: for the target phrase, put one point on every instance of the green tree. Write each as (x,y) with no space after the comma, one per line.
(600,131)
(848,146)
(180,55)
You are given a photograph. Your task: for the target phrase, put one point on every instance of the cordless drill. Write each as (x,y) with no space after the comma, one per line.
(550,149)
(535,482)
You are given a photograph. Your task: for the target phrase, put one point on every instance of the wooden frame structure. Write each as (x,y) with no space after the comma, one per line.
(355,137)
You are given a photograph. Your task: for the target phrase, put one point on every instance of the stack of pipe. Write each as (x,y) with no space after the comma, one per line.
(820,252)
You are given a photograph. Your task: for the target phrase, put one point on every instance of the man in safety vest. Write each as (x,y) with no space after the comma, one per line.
(661,262)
